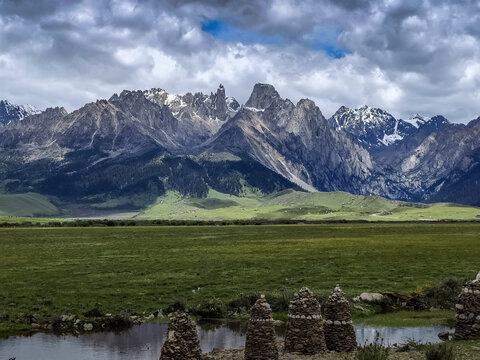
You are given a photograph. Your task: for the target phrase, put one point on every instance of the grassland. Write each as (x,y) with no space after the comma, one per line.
(295,205)
(408,318)
(251,205)
(52,271)
(26,205)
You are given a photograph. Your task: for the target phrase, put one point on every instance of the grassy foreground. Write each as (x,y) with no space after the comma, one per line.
(51,271)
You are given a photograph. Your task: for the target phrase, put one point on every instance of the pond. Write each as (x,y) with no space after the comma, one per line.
(144,342)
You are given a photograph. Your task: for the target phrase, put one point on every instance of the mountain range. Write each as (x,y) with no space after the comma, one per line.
(10,112)
(125,152)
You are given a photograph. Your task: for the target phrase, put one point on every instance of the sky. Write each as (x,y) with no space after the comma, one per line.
(403,56)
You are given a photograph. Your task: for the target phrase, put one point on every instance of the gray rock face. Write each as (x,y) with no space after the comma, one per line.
(199,116)
(437,167)
(421,159)
(132,119)
(219,101)
(297,142)
(263,95)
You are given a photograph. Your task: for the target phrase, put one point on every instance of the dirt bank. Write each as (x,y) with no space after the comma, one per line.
(465,350)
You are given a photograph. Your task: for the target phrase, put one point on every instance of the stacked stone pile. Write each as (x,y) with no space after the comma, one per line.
(467,325)
(305,324)
(174,348)
(182,341)
(260,343)
(339,332)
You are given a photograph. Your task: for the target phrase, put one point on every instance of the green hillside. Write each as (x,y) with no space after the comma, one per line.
(296,205)
(26,205)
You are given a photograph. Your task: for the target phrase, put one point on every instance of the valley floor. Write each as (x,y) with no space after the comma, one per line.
(296,205)
(54,271)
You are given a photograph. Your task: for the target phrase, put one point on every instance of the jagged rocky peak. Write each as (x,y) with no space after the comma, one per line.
(11,112)
(438,121)
(131,96)
(225,107)
(305,118)
(49,117)
(428,125)
(220,99)
(219,103)
(216,106)
(232,104)
(58,110)
(346,117)
(306,104)
(373,128)
(263,95)
(417,120)
(285,118)
(161,97)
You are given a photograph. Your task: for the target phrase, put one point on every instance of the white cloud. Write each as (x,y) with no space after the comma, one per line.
(406,56)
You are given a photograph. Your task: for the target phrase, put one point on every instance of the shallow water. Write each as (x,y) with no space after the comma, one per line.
(144,342)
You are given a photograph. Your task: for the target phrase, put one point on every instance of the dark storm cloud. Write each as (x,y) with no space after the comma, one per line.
(405,56)
(30,9)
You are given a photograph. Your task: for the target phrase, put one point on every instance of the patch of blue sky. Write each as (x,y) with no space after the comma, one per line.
(326,39)
(321,39)
(330,50)
(227,32)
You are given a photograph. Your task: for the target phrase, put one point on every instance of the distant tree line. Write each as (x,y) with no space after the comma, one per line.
(134,222)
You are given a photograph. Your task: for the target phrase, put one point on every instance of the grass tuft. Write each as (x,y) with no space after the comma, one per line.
(442,351)
(375,351)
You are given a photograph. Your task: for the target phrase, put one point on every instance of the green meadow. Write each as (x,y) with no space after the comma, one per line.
(52,271)
(251,204)
(296,205)
(26,205)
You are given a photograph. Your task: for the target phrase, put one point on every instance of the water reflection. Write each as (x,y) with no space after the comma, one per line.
(391,336)
(144,342)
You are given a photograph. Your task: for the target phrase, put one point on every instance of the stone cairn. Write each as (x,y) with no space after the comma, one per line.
(339,332)
(305,324)
(467,324)
(182,342)
(261,343)
(174,348)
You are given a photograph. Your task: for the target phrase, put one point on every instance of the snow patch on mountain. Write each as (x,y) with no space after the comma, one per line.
(10,112)
(254,109)
(372,127)
(389,139)
(417,120)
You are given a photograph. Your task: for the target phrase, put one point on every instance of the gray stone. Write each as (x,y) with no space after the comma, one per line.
(369,297)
